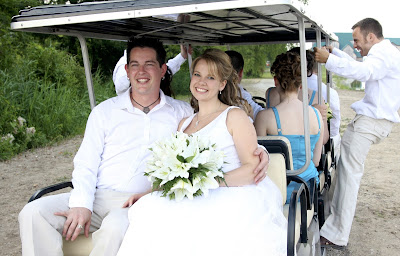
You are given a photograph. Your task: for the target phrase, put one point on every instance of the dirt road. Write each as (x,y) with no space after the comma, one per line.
(376,229)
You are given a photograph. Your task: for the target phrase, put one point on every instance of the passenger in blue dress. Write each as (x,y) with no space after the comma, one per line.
(286,119)
(272,97)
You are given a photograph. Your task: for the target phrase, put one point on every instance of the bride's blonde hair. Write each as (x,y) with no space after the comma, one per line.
(219,64)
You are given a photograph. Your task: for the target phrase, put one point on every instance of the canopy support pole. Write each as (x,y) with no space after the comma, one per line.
(319,72)
(88,73)
(302,40)
(328,77)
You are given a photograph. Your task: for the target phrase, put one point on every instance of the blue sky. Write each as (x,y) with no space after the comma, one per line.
(341,15)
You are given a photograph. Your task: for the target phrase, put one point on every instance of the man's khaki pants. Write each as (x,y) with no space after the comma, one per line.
(361,133)
(41,230)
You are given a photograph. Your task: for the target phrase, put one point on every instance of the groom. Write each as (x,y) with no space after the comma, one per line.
(109,165)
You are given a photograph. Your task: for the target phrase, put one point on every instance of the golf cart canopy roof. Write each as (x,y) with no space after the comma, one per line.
(215,22)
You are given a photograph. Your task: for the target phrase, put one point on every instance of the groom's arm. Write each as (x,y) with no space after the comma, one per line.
(262,167)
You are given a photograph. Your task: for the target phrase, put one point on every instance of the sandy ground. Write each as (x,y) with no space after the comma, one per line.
(376,229)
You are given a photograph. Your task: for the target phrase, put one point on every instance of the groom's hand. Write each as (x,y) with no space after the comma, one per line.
(262,167)
(131,200)
(78,218)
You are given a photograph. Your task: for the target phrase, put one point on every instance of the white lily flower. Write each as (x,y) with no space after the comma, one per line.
(204,183)
(182,189)
(163,174)
(215,161)
(191,150)
(202,158)
(179,169)
(203,142)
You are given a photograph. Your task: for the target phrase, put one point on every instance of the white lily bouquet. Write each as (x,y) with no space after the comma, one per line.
(185,165)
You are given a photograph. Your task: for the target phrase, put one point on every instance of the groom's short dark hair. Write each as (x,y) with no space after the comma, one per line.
(143,42)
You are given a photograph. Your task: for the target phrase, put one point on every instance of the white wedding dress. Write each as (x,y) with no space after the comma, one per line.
(230,221)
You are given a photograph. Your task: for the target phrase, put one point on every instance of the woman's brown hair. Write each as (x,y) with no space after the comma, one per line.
(219,64)
(287,70)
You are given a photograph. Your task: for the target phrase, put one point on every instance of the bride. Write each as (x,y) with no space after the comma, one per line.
(239,219)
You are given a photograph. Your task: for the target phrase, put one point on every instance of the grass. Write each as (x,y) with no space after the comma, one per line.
(55,109)
(267,74)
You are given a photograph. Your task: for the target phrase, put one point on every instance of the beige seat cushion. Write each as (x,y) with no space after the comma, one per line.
(283,138)
(277,173)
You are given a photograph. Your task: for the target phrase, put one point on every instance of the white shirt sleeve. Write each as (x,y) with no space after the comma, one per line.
(247,96)
(87,162)
(373,67)
(176,63)
(342,54)
(120,78)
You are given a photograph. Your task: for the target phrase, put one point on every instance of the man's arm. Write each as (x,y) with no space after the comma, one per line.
(86,163)
(341,54)
(373,67)
(261,169)
(120,77)
(176,63)
(322,54)
(247,96)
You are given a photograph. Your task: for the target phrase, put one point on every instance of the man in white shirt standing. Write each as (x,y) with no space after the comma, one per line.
(109,165)
(375,115)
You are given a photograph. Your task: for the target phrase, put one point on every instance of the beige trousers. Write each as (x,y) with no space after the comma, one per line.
(41,230)
(360,134)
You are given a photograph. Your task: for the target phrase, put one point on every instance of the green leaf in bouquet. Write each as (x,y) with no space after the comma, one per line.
(198,193)
(220,180)
(189,159)
(180,158)
(168,185)
(203,149)
(197,171)
(156,183)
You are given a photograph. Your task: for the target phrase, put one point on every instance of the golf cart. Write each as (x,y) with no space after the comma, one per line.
(217,22)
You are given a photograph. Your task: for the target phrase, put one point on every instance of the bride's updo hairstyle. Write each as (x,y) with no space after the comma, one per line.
(219,64)
(287,70)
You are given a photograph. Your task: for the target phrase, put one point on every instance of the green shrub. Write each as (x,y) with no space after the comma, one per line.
(181,81)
